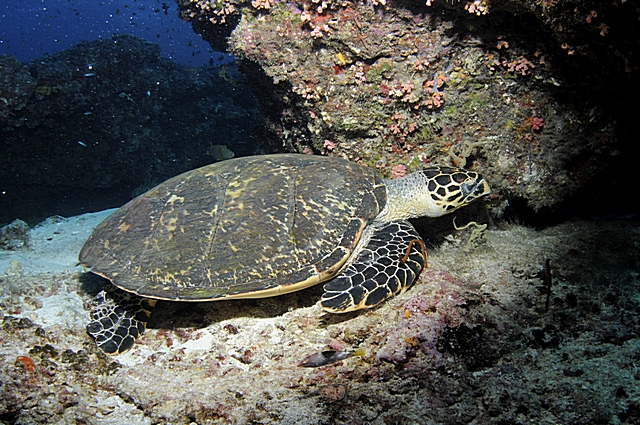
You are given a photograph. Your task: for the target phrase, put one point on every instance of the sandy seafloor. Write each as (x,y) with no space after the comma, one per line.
(471,342)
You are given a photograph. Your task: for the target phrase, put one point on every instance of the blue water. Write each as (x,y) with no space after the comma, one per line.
(32,28)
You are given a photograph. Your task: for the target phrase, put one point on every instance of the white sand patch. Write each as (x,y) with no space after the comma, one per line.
(64,309)
(54,245)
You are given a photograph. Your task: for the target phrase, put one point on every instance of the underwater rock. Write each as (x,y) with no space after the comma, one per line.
(534,95)
(15,82)
(82,128)
(14,235)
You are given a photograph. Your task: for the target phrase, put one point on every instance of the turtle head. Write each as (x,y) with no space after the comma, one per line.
(450,188)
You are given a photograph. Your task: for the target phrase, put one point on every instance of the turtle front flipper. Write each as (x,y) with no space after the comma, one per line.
(390,262)
(118,318)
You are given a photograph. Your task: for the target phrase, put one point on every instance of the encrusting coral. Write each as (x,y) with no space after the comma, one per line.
(413,84)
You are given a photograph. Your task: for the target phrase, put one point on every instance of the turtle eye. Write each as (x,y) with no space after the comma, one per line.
(471,187)
(474,187)
(467,188)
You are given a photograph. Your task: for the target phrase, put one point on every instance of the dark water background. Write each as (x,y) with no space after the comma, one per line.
(30,29)
(93,111)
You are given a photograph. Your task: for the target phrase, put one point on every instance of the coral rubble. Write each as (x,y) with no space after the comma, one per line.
(472,342)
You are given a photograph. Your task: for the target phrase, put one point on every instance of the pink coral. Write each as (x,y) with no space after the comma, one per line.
(537,124)
(426,315)
(398,171)
(330,145)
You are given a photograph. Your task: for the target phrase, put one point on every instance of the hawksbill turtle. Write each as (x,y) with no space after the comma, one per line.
(262,226)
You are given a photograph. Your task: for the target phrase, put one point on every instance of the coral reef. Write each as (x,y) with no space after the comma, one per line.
(507,325)
(472,342)
(83,128)
(469,83)
(14,235)
(16,84)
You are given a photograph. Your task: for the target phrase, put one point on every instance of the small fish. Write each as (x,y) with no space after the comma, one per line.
(82,144)
(329,356)
(220,152)
(89,74)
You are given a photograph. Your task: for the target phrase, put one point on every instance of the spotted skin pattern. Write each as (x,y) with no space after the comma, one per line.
(118,318)
(381,270)
(263,226)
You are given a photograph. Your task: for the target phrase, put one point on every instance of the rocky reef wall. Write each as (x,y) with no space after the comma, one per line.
(533,94)
(87,128)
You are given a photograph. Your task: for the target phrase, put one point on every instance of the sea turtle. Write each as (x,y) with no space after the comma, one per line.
(262,226)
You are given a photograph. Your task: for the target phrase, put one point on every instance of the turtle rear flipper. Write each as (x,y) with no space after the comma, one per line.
(389,264)
(118,318)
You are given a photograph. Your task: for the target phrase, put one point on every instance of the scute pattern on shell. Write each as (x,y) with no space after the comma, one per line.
(238,227)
